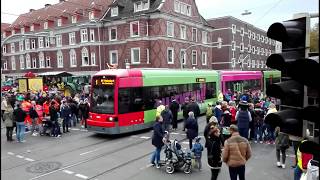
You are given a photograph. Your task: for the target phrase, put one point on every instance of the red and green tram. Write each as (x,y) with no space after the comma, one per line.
(125,100)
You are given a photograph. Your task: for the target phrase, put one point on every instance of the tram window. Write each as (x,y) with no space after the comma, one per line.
(130,100)
(210,90)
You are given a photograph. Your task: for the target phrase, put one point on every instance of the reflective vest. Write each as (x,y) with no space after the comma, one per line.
(160,109)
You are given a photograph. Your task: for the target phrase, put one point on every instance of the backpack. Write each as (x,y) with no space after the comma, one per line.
(197,149)
(209,112)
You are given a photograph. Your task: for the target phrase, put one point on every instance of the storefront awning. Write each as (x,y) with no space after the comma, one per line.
(55,73)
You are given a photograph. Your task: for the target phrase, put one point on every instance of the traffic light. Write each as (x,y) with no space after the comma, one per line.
(298,71)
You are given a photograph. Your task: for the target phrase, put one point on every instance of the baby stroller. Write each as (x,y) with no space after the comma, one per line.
(46,127)
(176,159)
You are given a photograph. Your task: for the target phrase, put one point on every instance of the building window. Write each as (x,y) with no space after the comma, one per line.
(249,63)
(241,47)
(253,50)
(249,48)
(13,32)
(91,35)
(5,65)
(170,55)
(93,58)
(270,52)
(21,62)
(188,10)
(59,22)
(113,34)
(113,55)
(219,42)
(13,63)
(194,35)
(258,37)
(59,40)
(33,44)
(148,56)
(177,6)
(47,40)
(204,58)
(73,58)
(266,40)
(34,63)
(135,55)
(41,60)
(194,57)
(85,57)
(91,15)
(114,11)
(73,19)
(27,44)
(185,9)
(234,28)
(28,62)
(32,28)
(249,34)
(12,48)
(262,38)
(233,45)
(22,30)
(183,56)
(183,32)
(204,37)
(72,38)
(253,36)
(48,63)
(258,50)
(233,62)
(4,49)
(262,51)
(170,29)
(21,46)
(84,35)
(45,25)
(242,31)
(258,64)
(134,29)
(253,64)
(40,40)
(141,5)
(60,59)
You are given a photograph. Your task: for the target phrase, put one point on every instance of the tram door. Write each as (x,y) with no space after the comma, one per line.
(238,86)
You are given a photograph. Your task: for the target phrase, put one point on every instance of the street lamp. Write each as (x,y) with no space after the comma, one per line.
(246,12)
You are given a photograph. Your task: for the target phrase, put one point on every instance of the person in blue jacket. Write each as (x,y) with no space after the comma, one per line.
(157,141)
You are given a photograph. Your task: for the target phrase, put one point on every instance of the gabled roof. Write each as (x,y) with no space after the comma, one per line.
(63,8)
(127,9)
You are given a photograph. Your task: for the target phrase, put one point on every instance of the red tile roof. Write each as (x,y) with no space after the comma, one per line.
(4,26)
(64,8)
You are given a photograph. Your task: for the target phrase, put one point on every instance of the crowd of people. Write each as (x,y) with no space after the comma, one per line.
(235,121)
(42,113)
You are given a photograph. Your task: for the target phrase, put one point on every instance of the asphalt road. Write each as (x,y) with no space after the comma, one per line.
(84,155)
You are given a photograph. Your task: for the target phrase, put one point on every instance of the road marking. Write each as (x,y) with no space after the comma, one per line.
(145,137)
(18,156)
(68,172)
(89,152)
(28,159)
(81,176)
(134,136)
(10,153)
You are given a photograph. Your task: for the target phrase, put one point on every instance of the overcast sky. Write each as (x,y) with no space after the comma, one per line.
(264,13)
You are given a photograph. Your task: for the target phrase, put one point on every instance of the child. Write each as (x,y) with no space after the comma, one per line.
(197,150)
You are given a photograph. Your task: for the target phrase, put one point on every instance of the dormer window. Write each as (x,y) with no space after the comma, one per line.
(32,28)
(91,15)
(22,30)
(114,11)
(13,32)
(74,19)
(59,22)
(141,5)
(45,25)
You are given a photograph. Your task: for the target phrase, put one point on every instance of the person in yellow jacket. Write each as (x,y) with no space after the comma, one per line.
(160,108)
(303,159)
(220,96)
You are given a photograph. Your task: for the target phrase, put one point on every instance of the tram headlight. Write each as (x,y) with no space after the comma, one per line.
(110,118)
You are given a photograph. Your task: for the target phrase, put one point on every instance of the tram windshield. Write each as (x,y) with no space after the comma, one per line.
(102,100)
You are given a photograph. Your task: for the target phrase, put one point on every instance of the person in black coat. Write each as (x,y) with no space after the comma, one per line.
(34,116)
(214,145)
(19,115)
(194,107)
(192,128)
(157,141)
(54,120)
(185,112)
(174,107)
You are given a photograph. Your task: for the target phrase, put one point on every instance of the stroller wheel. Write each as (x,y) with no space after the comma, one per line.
(169,168)
(187,169)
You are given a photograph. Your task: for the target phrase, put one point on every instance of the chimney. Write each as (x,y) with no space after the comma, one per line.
(30,10)
(47,5)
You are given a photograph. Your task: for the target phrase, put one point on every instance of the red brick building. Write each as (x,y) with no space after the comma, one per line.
(82,37)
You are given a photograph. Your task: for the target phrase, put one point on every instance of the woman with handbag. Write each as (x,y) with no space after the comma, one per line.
(282,144)
(214,145)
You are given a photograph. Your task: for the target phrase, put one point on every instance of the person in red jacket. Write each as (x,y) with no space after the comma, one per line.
(302,164)
(233,111)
